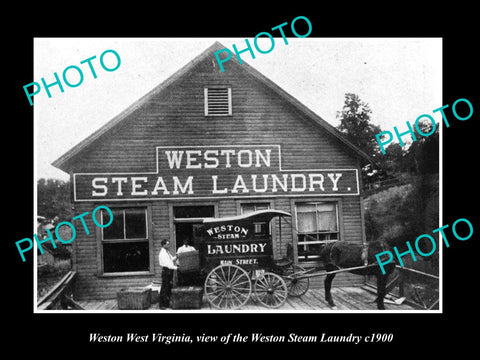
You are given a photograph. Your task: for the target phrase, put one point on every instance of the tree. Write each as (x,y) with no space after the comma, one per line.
(355,124)
(423,154)
(53,199)
(394,161)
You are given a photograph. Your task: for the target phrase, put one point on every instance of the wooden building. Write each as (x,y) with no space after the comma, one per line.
(208,143)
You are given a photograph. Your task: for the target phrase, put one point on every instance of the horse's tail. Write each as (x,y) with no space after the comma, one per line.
(377,247)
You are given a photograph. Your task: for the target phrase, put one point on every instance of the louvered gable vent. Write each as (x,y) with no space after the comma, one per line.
(218,101)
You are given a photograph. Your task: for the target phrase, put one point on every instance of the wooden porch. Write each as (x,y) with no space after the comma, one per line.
(346,298)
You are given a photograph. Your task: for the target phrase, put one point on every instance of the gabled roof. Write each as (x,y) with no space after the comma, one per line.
(63,161)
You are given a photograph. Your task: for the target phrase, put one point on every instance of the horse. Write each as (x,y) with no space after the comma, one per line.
(342,254)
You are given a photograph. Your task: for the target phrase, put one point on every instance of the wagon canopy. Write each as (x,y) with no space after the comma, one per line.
(255,216)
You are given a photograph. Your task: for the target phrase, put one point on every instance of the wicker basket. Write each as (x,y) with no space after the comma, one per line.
(133,298)
(155,291)
(189,261)
(187,297)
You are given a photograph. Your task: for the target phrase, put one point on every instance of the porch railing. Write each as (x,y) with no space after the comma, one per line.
(60,297)
(419,289)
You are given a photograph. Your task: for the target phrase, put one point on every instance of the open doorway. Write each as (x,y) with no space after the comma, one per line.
(188,223)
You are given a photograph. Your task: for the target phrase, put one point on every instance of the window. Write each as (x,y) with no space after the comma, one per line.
(218,101)
(317,224)
(260,228)
(125,242)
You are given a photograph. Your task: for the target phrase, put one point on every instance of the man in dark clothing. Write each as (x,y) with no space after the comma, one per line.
(167,262)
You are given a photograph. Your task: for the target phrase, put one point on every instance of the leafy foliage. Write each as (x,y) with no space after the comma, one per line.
(53,199)
(355,124)
(400,213)
(420,157)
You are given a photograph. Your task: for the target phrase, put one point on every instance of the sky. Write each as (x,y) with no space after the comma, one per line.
(399,78)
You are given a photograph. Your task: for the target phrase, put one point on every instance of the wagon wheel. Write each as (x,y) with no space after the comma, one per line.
(296,287)
(228,287)
(271,290)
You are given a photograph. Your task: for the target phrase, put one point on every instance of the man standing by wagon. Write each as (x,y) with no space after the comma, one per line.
(167,262)
(186,247)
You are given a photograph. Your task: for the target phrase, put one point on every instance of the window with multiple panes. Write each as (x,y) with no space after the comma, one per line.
(317,224)
(125,243)
(218,101)
(260,228)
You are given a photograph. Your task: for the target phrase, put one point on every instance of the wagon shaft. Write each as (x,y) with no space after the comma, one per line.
(306,274)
